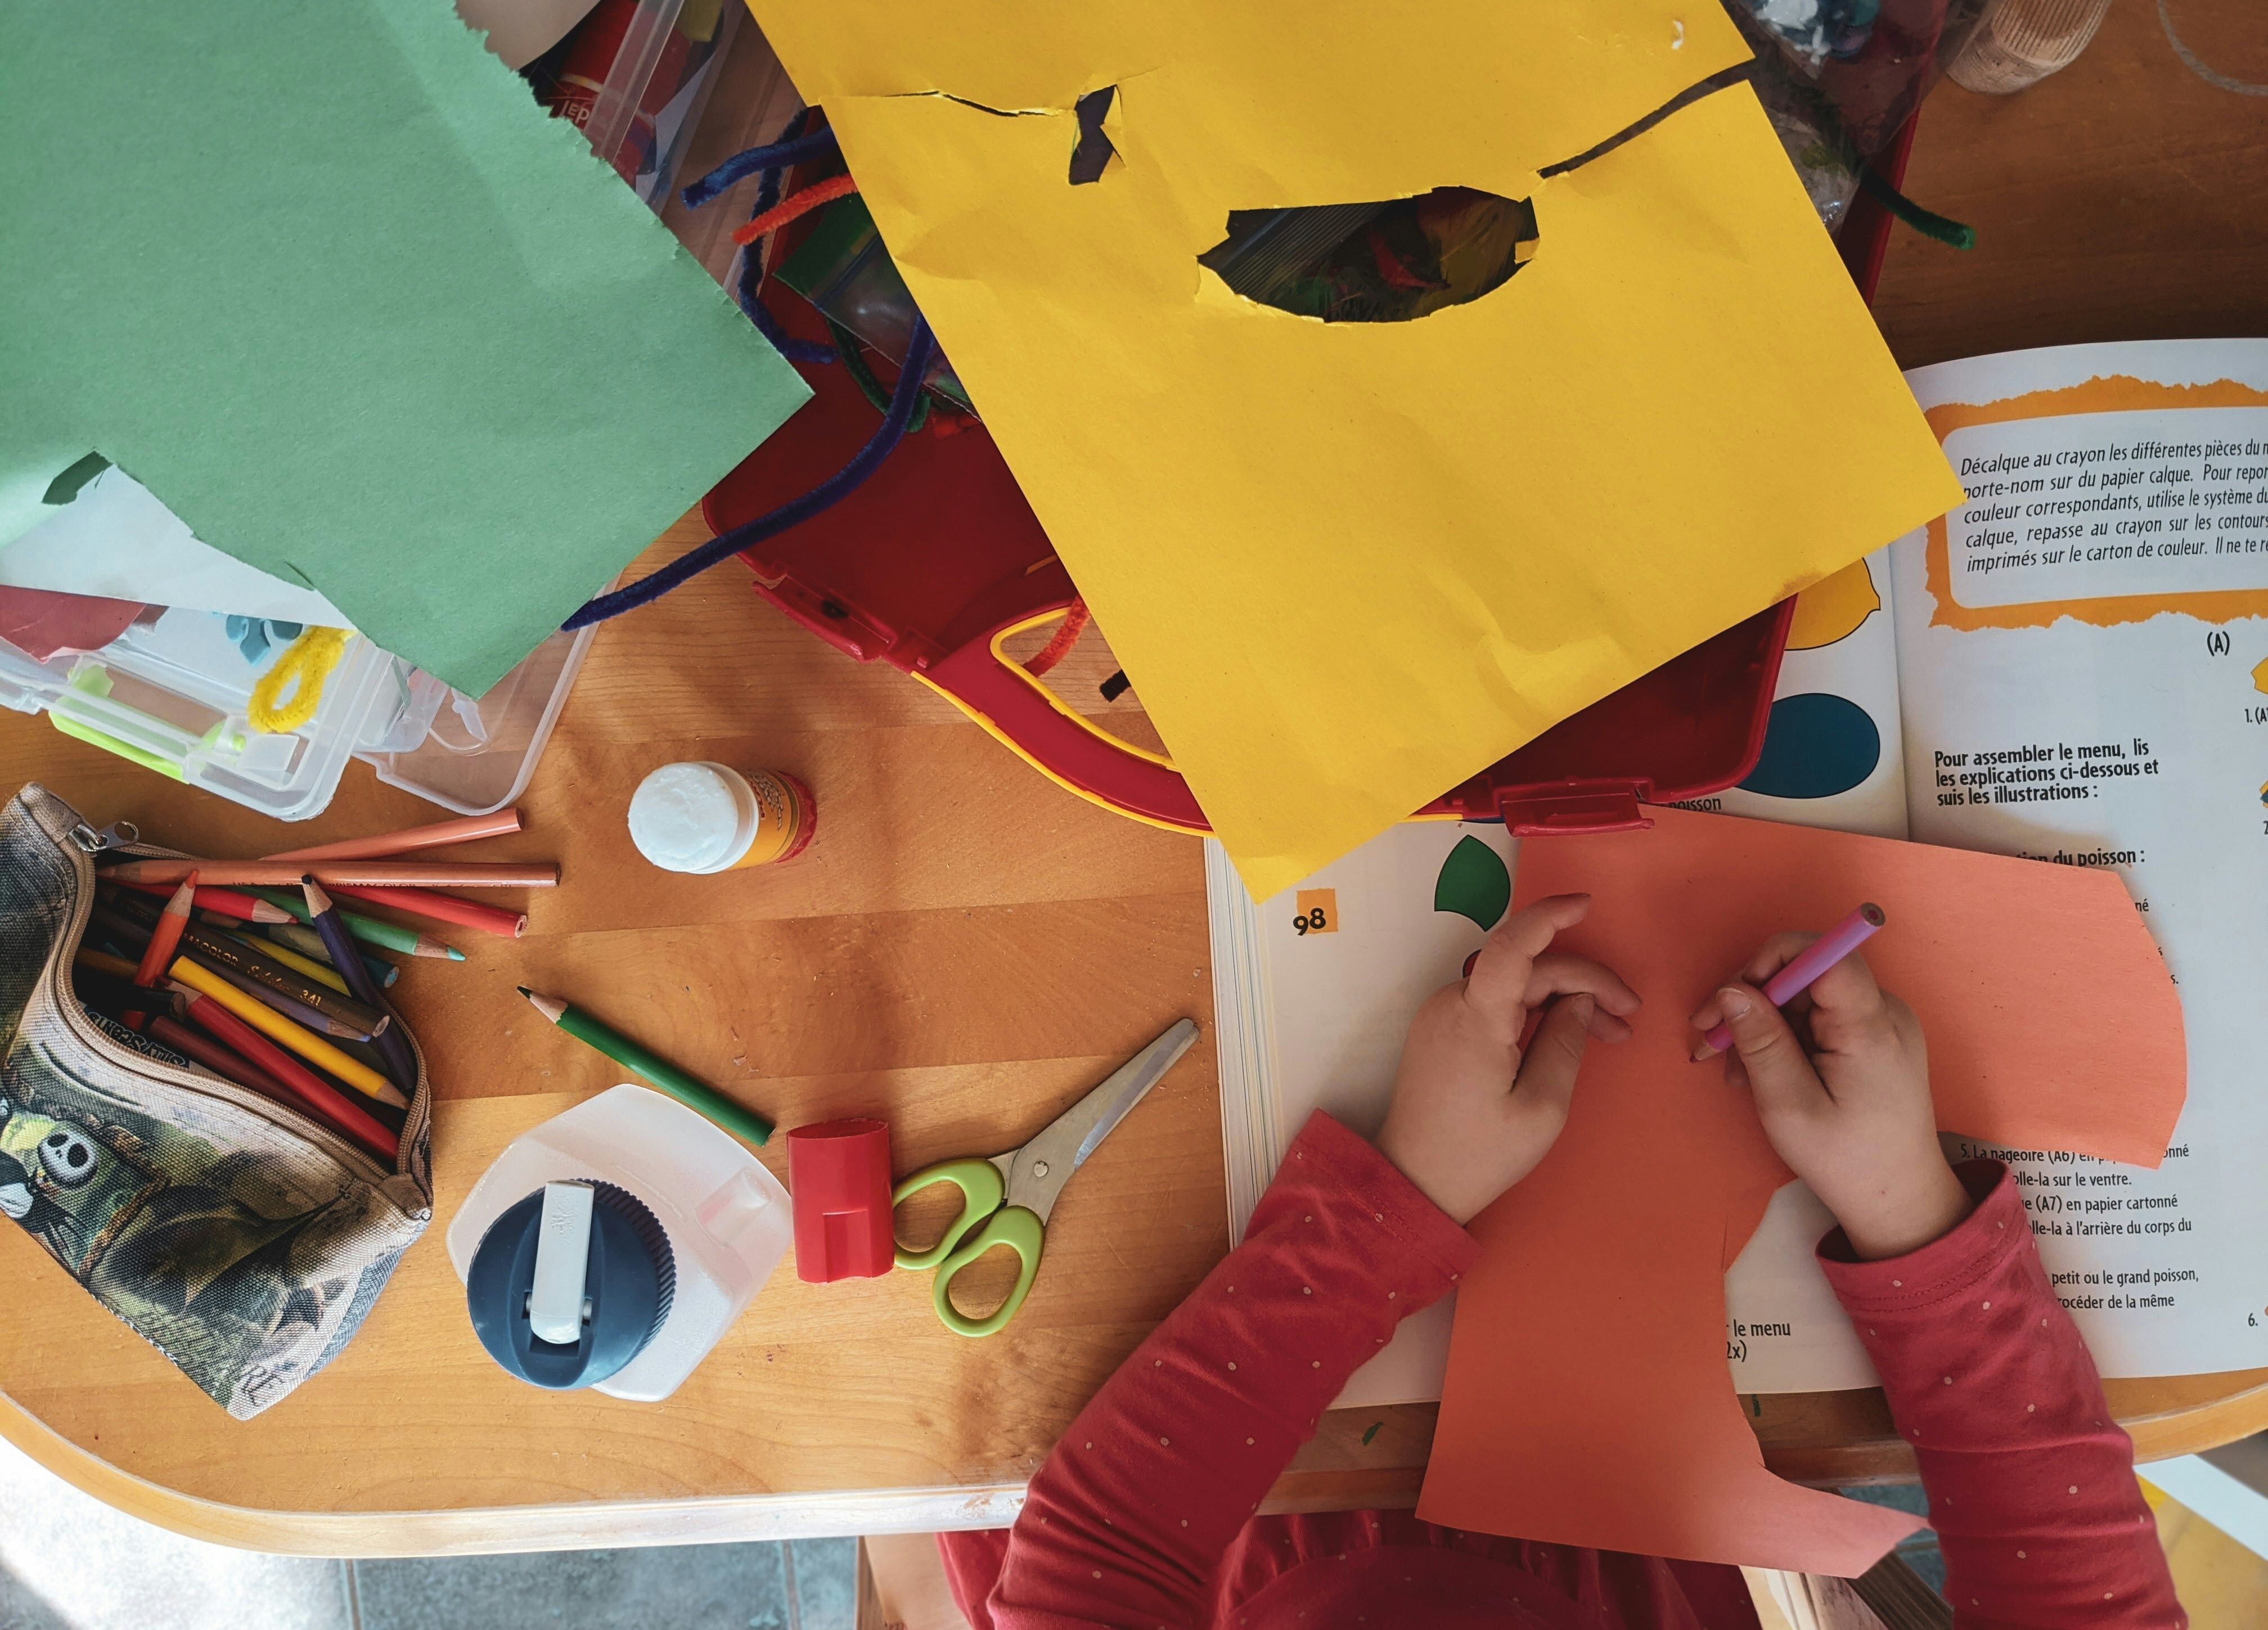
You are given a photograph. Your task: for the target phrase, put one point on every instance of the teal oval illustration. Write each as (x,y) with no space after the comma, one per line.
(1815,746)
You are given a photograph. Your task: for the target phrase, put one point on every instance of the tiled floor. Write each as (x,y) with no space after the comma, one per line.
(68,1562)
(1920,1550)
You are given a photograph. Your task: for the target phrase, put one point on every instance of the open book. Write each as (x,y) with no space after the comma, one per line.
(2073,666)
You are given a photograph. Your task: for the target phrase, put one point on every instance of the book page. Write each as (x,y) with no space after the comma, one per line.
(2084,653)
(1343,962)
(1832,754)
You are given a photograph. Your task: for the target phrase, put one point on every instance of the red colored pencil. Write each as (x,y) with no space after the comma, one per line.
(158,955)
(220,1060)
(445,908)
(305,1089)
(227,901)
(440,835)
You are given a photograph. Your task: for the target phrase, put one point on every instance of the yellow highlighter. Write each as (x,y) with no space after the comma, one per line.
(282,1031)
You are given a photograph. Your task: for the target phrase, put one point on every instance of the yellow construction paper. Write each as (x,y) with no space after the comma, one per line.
(1347,566)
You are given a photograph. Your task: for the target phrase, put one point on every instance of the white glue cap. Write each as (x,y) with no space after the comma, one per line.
(694,817)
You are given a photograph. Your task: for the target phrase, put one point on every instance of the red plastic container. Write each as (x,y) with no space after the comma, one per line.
(937,560)
(839,1174)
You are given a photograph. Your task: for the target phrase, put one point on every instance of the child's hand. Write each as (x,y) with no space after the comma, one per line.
(1469,1117)
(1842,1085)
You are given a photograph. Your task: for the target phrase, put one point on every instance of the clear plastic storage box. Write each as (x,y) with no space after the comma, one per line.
(169,693)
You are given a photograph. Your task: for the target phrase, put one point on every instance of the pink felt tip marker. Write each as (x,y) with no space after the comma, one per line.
(1814,959)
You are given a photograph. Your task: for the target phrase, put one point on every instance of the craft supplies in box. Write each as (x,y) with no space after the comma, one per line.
(175,693)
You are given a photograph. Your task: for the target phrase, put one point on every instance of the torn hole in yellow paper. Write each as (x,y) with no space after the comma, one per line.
(1095,152)
(1394,261)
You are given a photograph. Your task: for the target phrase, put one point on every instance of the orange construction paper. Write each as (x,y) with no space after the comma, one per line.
(1587,1399)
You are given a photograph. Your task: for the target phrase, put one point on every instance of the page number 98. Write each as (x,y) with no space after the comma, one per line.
(1316,911)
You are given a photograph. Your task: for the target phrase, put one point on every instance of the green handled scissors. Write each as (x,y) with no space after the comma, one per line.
(1005,1201)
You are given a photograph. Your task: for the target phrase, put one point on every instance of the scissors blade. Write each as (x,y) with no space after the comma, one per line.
(1038,1171)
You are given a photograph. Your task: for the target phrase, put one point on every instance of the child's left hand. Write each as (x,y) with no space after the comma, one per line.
(1472,1117)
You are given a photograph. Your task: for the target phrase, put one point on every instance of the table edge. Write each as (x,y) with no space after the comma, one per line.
(727,1518)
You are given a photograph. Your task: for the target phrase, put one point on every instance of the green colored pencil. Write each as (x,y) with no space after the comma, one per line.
(694,1095)
(369,930)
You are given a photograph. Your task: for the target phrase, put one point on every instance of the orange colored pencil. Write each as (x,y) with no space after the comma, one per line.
(158,955)
(440,835)
(445,908)
(332,874)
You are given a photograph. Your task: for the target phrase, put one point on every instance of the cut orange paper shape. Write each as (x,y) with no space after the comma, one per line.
(1588,1401)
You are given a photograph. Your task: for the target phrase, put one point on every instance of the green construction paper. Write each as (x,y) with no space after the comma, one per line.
(329,283)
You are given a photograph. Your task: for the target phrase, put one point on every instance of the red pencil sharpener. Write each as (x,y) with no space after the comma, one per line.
(839,1173)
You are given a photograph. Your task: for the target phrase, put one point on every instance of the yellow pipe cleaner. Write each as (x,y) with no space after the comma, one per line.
(306,665)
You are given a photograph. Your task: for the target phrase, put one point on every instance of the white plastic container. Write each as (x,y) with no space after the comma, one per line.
(700,817)
(728,1219)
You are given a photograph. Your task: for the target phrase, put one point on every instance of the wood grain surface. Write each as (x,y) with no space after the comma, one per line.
(964,950)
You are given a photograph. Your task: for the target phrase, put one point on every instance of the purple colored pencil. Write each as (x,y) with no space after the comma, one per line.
(1804,969)
(393,1047)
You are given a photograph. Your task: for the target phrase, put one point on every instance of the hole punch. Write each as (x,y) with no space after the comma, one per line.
(1394,261)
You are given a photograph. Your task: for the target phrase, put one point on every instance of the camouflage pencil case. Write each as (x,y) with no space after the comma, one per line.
(243,1240)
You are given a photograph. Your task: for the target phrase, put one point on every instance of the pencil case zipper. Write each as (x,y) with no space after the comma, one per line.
(86,843)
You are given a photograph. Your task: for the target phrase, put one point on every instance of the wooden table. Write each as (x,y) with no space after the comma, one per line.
(966,949)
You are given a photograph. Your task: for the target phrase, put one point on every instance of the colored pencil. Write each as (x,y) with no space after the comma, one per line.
(167,934)
(251,968)
(280,1030)
(222,1061)
(1804,968)
(102,962)
(289,1006)
(117,995)
(440,835)
(693,1094)
(496,920)
(384,873)
(309,944)
(392,1046)
(370,930)
(228,902)
(308,1092)
(321,972)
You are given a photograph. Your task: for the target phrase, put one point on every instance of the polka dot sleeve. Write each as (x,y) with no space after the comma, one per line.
(1129,1516)
(2030,1483)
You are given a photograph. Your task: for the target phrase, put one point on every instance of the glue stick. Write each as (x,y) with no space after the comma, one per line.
(703,817)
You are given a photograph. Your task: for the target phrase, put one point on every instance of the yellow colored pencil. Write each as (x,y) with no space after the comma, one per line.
(282,1031)
(321,972)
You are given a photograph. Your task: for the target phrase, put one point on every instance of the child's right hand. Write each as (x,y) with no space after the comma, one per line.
(1841,1081)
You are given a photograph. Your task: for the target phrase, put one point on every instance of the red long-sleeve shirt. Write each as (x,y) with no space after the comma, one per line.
(1143,1517)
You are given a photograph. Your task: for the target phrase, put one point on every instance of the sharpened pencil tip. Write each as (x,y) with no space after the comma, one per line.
(524,991)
